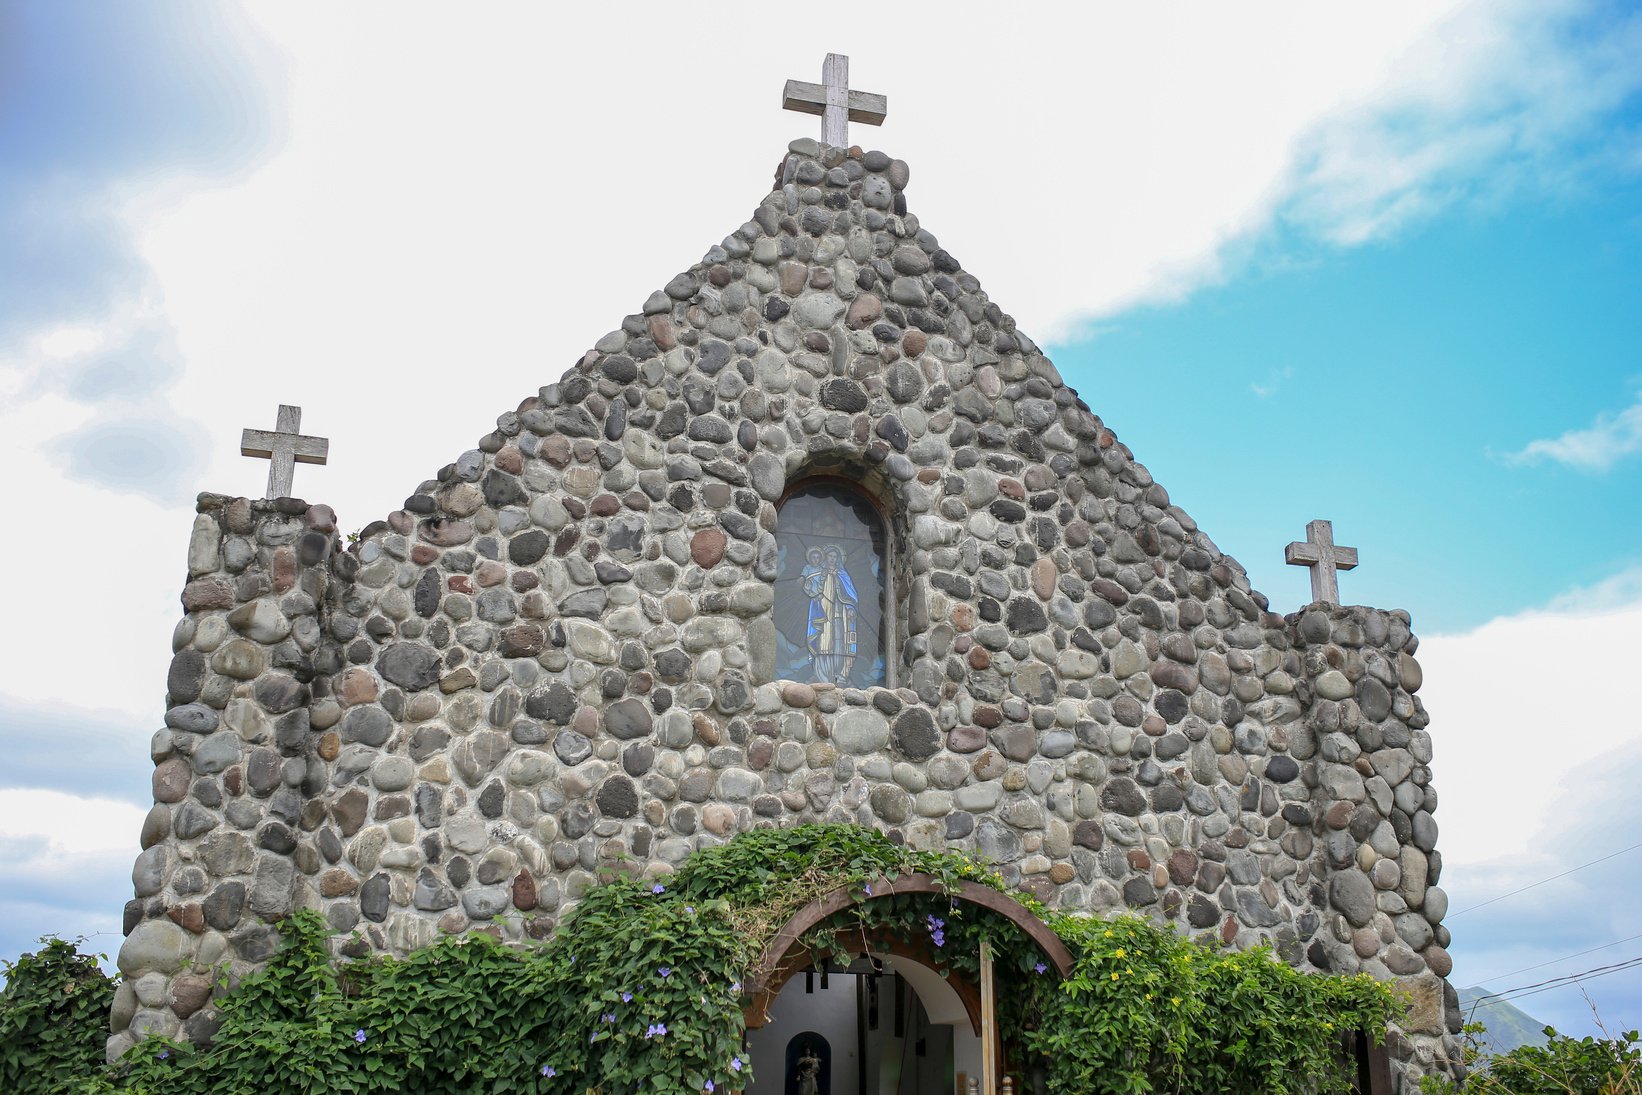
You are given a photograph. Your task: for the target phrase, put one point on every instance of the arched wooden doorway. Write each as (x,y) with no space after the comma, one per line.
(911,950)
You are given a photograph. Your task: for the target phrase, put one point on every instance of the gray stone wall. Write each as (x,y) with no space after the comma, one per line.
(557,658)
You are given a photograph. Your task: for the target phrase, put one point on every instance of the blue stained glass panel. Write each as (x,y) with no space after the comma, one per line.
(829,594)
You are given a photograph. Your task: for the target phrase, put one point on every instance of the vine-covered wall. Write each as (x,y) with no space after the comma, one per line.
(558,657)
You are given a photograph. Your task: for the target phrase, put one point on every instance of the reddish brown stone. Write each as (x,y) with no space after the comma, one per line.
(508,459)
(524,891)
(707,731)
(1062,873)
(189,993)
(205,594)
(980,657)
(663,332)
(1228,930)
(460,583)
(284,569)
(1154,725)
(988,717)
(555,449)
(1182,867)
(793,275)
(913,343)
(329,745)
(358,686)
(1338,816)
(605,505)
(233,780)
(189,917)
(490,573)
(1088,834)
(423,554)
(797,694)
(337,882)
(1139,860)
(760,751)
(966,739)
(707,547)
(1012,488)
(522,641)
(864,311)
(963,617)
(1171,903)
(928,476)
(445,533)
(1044,576)
(171,780)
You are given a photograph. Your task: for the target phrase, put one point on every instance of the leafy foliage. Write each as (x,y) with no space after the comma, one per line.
(53,1018)
(1146,1010)
(1562,1066)
(641,988)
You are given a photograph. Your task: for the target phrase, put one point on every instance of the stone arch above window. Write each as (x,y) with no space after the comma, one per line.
(832,593)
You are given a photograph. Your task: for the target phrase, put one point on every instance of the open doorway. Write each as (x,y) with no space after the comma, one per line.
(879,1026)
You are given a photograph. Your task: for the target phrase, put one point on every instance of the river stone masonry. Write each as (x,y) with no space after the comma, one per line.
(557,658)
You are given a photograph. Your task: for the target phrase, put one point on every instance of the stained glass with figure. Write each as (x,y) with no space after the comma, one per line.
(829,599)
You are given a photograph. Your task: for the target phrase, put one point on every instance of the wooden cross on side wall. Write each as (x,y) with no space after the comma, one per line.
(1318,552)
(834,101)
(285,448)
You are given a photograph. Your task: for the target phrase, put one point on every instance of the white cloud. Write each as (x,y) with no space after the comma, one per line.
(1595,449)
(1536,767)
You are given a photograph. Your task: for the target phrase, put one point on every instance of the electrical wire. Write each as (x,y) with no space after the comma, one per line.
(1541,882)
(1538,987)
(1554,961)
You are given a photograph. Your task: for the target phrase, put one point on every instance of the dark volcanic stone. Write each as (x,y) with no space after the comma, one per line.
(409,665)
(840,394)
(617,797)
(1122,796)
(916,735)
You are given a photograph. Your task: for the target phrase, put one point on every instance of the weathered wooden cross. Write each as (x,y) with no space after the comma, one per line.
(284,447)
(1318,552)
(834,101)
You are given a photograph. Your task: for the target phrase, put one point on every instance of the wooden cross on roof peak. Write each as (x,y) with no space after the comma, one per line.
(834,101)
(1318,552)
(285,447)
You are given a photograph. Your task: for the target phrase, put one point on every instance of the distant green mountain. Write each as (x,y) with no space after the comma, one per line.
(1508,1025)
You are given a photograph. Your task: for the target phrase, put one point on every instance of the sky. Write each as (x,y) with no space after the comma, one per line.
(1380,264)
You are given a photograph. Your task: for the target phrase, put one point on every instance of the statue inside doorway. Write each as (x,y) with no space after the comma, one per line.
(809,1065)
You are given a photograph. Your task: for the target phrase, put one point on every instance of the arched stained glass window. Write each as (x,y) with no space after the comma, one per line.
(829,596)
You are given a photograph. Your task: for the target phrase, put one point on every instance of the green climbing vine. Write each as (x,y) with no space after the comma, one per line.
(642,987)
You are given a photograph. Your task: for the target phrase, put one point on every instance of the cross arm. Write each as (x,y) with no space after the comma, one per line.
(264,443)
(807,98)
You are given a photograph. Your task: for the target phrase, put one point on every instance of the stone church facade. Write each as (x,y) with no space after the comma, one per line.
(568,651)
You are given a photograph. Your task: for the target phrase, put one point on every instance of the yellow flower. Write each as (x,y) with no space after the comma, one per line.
(1175,1000)
(1114,976)
(1148,996)
(1130,970)
(1121,952)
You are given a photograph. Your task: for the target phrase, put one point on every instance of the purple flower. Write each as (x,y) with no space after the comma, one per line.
(164,1053)
(658,888)
(735,1063)
(609,1018)
(655,1030)
(869,889)
(709,1085)
(359,1036)
(1039,968)
(666,972)
(691,909)
(627,998)
(735,987)
(549,1070)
